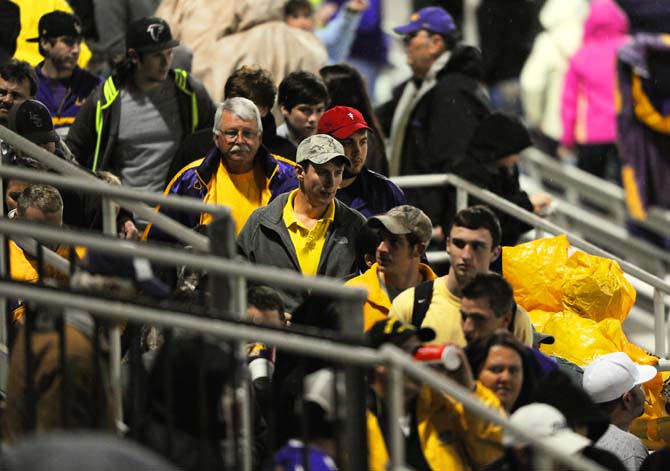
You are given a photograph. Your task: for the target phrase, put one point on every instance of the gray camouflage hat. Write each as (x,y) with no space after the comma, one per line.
(405,219)
(319,149)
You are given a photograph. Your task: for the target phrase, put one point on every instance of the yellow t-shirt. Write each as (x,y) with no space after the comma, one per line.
(308,243)
(242,192)
(444,315)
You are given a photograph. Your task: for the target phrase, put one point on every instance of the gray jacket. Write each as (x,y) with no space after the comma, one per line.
(265,240)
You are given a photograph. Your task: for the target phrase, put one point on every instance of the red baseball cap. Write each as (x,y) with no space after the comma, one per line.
(341,122)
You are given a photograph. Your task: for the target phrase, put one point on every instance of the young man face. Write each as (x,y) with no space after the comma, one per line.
(303,19)
(153,66)
(356,148)
(471,252)
(478,319)
(12,93)
(395,255)
(62,52)
(303,118)
(238,141)
(319,183)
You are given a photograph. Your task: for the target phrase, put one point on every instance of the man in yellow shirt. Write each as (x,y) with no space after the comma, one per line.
(238,172)
(307,230)
(473,244)
(403,234)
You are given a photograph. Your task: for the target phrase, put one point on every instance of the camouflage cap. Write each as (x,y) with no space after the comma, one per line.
(405,219)
(319,149)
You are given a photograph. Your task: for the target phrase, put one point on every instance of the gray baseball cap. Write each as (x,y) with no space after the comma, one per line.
(320,149)
(405,219)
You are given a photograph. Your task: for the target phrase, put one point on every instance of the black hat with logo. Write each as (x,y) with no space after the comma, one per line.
(57,23)
(149,35)
(32,120)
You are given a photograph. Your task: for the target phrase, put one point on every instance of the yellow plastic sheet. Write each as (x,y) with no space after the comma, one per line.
(582,300)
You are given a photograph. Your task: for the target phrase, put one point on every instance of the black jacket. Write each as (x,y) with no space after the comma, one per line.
(94,149)
(441,126)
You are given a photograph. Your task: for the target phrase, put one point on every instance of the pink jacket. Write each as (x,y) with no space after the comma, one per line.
(587,104)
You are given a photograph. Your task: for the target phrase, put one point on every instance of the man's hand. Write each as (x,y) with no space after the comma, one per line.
(541,202)
(129,231)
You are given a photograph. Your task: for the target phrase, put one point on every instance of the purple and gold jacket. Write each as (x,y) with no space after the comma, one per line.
(196,179)
(643,122)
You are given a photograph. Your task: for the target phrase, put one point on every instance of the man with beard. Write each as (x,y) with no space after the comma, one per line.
(237,172)
(63,85)
(403,234)
(364,190)
(473,244)
(134,122)
(307,230)
(614,383)
(18,83)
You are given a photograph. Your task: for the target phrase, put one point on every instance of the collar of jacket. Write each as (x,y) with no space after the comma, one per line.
(113,84)
(211,163)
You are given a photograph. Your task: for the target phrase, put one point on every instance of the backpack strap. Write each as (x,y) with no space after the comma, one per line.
(423,294)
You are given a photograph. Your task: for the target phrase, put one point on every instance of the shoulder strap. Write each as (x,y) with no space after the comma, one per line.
(423,294)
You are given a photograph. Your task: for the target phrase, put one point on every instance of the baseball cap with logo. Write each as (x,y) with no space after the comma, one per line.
(391,330)
(149,35)
(609,376)
(320,149)
(405,219)
(32,120)
(548,425)
(433,19)
(57,23)
(341,122)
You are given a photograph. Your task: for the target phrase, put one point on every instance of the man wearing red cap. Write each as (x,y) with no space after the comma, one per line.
(363,190)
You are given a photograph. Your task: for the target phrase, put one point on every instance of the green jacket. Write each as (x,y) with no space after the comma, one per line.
(93,135)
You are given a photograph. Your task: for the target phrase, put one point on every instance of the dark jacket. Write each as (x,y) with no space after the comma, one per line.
(93,135)
(371,194)
(441,126)
(79,86)
(265,240)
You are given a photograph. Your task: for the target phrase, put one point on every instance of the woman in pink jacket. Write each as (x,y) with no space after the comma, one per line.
(587,106)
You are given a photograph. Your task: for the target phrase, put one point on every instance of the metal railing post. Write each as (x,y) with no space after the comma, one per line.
(394,385)
(461,198)
(4,321)
(229,293)
(659,324)
(109,228)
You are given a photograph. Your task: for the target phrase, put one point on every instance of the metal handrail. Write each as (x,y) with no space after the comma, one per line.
(165,223)
(174,256)
(465,187)
(292,342)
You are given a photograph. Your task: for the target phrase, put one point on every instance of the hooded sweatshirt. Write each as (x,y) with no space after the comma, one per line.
(587,104)
(542,75)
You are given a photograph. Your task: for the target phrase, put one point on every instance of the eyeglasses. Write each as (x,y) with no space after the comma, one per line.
(13,93)
(232,134)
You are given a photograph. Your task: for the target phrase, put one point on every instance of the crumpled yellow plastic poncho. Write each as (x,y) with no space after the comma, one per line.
(582,300)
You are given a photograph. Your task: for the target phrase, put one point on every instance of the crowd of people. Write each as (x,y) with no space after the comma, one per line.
(302,153)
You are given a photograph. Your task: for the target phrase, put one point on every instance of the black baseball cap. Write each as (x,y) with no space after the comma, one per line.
(149,35)
(32,120)
(396,332)
(57,23)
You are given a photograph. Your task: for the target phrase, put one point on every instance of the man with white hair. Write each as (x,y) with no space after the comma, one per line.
(238,171)
(614,383)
